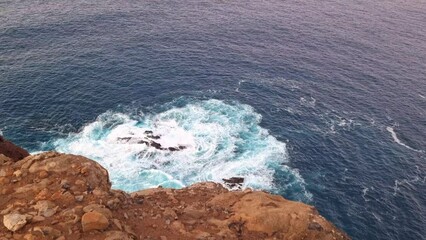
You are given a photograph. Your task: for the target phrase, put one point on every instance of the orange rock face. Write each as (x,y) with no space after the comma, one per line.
(60,196)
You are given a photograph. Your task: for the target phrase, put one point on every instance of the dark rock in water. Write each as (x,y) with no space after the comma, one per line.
(12,151)
(154,136)
(124,139)
(156,145)
(150,143)
(234,182)
(143,142)
(149,134)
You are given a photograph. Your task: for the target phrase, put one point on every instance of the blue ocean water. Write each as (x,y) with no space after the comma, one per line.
(320,101)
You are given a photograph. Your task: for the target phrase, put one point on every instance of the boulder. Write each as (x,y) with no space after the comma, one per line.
(14,221)
(94,221)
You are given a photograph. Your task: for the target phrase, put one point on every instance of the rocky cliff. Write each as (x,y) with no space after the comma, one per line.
(61,196)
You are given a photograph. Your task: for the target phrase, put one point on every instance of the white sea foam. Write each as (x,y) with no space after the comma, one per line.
(239,85)
(308,102)
(364,193)
(220,141)
(397,140)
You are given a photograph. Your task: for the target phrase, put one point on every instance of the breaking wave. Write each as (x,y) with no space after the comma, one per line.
(198,141)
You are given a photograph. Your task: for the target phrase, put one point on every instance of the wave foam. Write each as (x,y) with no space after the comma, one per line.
(221,141)
(397,140)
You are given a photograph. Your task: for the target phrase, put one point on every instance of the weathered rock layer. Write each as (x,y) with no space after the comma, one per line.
(61,196)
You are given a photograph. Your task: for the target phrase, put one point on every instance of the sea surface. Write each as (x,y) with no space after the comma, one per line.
(323,102)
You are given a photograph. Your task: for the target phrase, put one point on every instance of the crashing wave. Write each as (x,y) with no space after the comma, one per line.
(201,141)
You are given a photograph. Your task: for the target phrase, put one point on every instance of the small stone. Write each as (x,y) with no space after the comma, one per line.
(84,170)
(79,198)
(202,236)
(98,208)
(7,210)
(6,171)
(4,159)
(47,231)
(94,221)
(178,226)
(129,230)
(38,219)
(17,173)
(46,208)
(43,174)
(139,199)
(28,217)
(163,237)
(117,224)
(80,182)
(113,203)
(315,226)
(193,213)
(170,213)
(98,192)
(17,236)
(117,235)
(14,221)
(43,194)
(65,185)
(29,236)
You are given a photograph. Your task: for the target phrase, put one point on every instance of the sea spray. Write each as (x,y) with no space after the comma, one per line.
(218,140)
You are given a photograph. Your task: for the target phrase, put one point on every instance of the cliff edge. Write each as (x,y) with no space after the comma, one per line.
(62,196)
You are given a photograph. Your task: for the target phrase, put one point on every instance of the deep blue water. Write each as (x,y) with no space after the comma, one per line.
(321,101)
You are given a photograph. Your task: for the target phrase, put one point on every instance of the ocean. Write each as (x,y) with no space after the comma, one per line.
(322,102)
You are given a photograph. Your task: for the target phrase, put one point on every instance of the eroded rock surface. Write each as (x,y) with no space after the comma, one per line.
(60,196)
